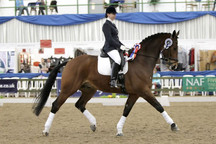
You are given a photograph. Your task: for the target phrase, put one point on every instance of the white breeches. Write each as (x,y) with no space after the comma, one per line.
(114,54)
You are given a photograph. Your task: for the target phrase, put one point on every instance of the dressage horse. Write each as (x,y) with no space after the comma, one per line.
(81,74)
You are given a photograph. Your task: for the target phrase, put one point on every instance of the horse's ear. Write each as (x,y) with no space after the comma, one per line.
(177,33)
(174,34)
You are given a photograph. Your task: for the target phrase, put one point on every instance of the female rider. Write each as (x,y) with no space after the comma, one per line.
(112,44)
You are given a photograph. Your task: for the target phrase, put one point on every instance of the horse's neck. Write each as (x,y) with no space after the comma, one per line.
(153,47)
(145,62)
(150,51)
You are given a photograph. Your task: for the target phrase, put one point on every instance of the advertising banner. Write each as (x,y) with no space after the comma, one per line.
(199,84)
(8,86)
(45,43)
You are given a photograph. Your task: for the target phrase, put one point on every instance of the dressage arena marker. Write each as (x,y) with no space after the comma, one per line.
(49,102)
(1,104)
(164,100)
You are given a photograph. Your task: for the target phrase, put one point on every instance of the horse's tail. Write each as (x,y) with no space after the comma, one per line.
(40,101)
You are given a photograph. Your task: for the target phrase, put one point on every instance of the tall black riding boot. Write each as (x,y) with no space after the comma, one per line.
(114,74)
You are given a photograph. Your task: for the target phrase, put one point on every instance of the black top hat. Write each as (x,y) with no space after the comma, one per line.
(109,10)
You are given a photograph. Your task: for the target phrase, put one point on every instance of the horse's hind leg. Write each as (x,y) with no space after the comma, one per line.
(87,93)
(128,106)
(55,107)
(153,101)
(64,94)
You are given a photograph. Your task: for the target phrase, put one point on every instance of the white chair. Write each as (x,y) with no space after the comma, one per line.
(166,84)
(202,92)
(206,6)
(34,85)
(191,5)
(24,85)
(191,93)
(153,87)
(177,84)
(41,82)
(214,92)
(155,92)
(54,87)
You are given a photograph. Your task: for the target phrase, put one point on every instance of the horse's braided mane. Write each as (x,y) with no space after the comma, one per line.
(152,36)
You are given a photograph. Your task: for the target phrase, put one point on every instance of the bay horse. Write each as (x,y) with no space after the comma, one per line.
(81,73)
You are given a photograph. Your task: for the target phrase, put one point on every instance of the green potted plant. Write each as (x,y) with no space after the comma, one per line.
(154,2)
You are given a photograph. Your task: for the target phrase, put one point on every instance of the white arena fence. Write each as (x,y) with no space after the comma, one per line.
(170,86)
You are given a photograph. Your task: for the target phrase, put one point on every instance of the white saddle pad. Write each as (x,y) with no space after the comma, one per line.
(104,66)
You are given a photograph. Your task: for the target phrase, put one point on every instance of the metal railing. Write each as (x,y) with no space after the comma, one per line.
(139,6)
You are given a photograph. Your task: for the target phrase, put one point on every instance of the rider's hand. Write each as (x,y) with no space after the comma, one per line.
(124,48)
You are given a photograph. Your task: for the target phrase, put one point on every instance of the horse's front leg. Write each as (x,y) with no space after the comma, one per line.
(149,97)
(128,106)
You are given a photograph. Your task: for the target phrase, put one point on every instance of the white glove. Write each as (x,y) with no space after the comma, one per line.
(122,47)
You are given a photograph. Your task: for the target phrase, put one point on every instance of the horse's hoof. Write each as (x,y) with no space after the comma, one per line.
(93,127)
(174,127)
(119,134)
(45,134)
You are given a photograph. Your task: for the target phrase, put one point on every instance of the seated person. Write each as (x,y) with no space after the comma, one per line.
(41,6)
(20,6)
(214,5)
(49,64)
(53,5)
(32,6)
(43,66)
(156,83)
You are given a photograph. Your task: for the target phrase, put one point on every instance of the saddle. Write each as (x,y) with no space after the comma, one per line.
(104,68)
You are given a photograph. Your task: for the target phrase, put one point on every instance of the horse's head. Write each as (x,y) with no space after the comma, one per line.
(169,52)
(164,45)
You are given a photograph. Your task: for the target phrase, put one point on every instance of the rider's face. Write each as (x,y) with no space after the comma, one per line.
(111,16)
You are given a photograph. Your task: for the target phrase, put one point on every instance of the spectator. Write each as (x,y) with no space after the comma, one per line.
(32,6)
(48,62)
(53,5)
(41,6)
(21,68)
(156,82)
(182,59)
(20,6)
(43,66)
(214,5)
(213,58)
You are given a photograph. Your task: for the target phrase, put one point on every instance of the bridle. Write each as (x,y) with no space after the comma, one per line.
(167,44)
(169,61)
